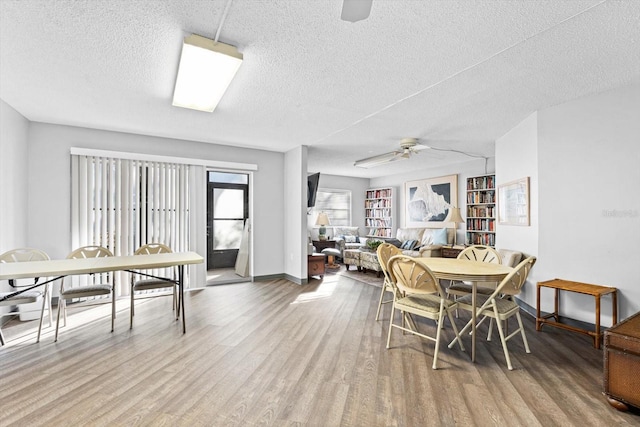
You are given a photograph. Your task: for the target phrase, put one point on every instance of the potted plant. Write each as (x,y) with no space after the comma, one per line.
(372,244)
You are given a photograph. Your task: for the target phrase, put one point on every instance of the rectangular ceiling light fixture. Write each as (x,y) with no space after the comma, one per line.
(205,71)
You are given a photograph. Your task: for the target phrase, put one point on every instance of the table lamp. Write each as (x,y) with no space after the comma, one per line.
(454,217)
(322,220)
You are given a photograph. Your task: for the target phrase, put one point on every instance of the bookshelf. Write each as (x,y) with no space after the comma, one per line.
(481,210)
(378,212)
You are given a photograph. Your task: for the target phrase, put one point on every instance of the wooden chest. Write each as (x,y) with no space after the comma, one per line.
(622,363)
(315,265)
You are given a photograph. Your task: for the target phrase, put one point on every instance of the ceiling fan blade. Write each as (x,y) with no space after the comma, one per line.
(381,159)
(355,10)
(419,147)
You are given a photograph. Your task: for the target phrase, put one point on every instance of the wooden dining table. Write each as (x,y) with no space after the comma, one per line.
(467,271)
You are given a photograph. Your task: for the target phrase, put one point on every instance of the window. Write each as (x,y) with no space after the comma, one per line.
(336,204)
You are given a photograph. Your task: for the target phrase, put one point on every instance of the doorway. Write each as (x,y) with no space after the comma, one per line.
(227,213)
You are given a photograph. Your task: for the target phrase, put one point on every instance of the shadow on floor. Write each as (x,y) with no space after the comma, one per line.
(224,276)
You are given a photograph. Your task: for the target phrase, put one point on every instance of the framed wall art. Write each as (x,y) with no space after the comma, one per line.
(427,201)
(513,202)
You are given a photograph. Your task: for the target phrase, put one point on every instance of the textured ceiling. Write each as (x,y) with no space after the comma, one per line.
(455,74)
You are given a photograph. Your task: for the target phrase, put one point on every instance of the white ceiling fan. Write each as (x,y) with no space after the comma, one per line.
(355,10)
(408,147)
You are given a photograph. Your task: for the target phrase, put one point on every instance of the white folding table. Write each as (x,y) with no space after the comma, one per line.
(60,268)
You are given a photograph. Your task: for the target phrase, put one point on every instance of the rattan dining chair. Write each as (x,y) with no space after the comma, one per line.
(101,284)
(29,296)
(385,252)
(496,306)
(418,292)
(140,282)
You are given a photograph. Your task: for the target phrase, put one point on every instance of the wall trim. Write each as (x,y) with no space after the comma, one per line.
(269,277)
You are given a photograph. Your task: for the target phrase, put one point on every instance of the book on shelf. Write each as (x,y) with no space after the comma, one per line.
(379,232)
(481,197)
(481,183)
(378,194)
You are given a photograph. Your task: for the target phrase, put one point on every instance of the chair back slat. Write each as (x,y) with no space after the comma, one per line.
(84,280)
(481,254)
(153,248)
(90,252)
(23,255)
(385,251)
(512,284)
(413,277)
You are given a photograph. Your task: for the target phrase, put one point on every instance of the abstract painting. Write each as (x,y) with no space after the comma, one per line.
(427,201)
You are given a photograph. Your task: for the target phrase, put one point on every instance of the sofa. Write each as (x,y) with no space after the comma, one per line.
(423,242)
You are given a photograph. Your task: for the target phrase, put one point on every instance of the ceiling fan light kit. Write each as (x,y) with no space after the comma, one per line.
(206,69)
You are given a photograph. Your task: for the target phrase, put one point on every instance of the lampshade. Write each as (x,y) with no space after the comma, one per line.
(454,216)
(206,70)
(323,219)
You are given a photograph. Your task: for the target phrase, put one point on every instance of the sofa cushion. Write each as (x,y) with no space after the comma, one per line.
(351,239)
(404,234)
(428,237)
(440,237)
(509,257)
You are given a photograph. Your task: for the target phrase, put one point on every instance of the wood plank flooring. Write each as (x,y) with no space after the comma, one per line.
(276,353)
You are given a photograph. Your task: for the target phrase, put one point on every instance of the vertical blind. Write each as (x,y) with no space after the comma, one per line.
(122,204)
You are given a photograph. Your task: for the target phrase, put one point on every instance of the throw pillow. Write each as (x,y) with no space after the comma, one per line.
(409,245)
(440,237)
(351,239)
(395,242)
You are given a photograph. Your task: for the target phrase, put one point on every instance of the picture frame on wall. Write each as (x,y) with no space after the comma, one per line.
(513,202)
(427,201)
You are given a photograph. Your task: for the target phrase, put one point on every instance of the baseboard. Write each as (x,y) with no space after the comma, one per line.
(296,280)
(268,277)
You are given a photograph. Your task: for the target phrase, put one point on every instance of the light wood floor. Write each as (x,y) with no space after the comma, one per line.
(223,276)
(276,353)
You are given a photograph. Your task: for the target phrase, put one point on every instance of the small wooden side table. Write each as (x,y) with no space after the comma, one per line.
(582,288)
(450,252)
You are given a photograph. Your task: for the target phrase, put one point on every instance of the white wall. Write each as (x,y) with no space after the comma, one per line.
(14,171)
(589,169)
(462,170)
(582,157)
(358,188)
(517,157)
(49,185)
(295,214)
